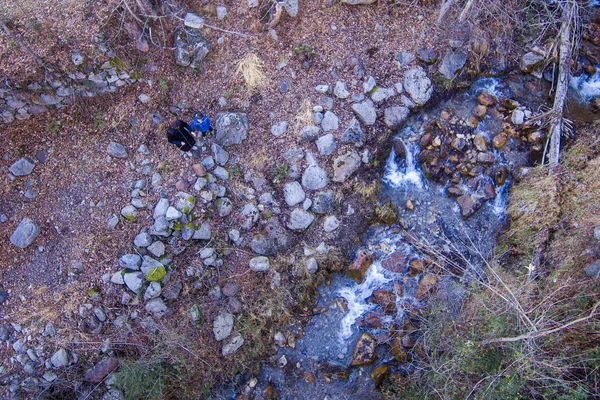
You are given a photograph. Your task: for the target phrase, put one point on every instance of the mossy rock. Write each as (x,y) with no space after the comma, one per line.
(156,274)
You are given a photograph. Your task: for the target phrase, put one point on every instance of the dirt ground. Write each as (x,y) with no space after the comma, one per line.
(77,187)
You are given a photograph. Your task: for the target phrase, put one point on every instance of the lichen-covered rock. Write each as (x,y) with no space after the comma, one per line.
(190,47)
(345,165)
(259,264)
(300,219)
(364,351)
(222,326)
(418,85)
(354,134)
(232,344)
(231,128)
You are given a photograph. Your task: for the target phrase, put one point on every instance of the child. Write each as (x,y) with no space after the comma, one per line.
(203,125)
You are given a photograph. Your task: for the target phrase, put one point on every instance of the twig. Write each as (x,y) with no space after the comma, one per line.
(38,59)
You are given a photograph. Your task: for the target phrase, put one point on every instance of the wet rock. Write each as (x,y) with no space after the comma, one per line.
(499,140)
(365,111)
(116,150)
(364,351)
(500,175)
(386,299)
(354,134)
(486,99)
(326,144)
(455,191)
(231,128)
(486,158)
(300,219)
(394,117)
(222,326)
(530,61)
(314,177)
(310,133)
(398,350)
(426,284)
(293,193)
(418,86)
(23,166)
(469,204)
(104,367)
(232,344)
(333,371)
(359,267)
(345,165)
(453,61)
(25,233)
(191,47)
(479,111)
(519,173)
(379,373)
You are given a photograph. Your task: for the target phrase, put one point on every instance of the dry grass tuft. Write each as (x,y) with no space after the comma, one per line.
(304,115)
(251,69)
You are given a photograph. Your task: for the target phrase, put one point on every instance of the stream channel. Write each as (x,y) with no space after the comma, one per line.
(435,239)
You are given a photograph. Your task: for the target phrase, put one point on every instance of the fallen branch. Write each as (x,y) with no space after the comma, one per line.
(22,45)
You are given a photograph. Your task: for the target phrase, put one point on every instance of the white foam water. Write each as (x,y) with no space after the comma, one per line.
(499,204)
(492,86)
(398,177)
(586,86)
(357,295)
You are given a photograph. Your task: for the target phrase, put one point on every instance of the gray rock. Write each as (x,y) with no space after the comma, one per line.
(323,202)
(293,193)
(365,111)
(593,270)
(293,155)
(172,291)
(25,233)
(112,222)
(116,394)
(173,214)
(300,219)
(221,155)
(274,239)
(382,94)
(418,85)
(236,341)
(530,61)
(142,240)
(234,236)
(156,306)
(150,263)
(149,325)
(340,90)
(517,117)
(369,84)
(116,150)
(452,62)
(117,278)
(130,261)
(330,122)
(222,326)
(279,129)
(153,290)
(291,7)
(224,207)
(311,265)
(317,118)
(221,173)
(326,144)
(160,227)
(190,47)
(428,56)
(208,162)
(259,264)
(231,128)
(203,233)
(394,117)
(77,58)
(309,133)
(193,21)
(345,165)
(331,224)
(404,58)
(221,12)
(129,212)
(314,177)
(185,202)
(322,88)
(354,134)
(23,166)
(250,214)
(134,281)
(157,249)
(200,183)
(60,359)
(358,2)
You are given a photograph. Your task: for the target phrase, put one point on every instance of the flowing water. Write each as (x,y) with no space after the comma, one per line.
(318,366)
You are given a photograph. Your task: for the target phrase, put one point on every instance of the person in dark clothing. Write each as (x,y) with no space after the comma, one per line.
(181,136)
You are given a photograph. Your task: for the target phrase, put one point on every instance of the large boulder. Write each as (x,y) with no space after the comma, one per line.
(452,62)
(231,128)
(345,165)
(190,47)
(418,85)
(394,116)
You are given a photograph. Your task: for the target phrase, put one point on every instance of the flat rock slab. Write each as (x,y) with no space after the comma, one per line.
(345,165)
(418,85)
(300,219)
(231,128)
(365,111)
(232,344)
(222,326)
(116,150)
(25,234)
(23,166)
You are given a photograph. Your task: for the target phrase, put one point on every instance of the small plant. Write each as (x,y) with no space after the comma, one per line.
(165,167)
(33,24)
(279,172)
(53,126)
(21,150)
(98,120)
(163,85)
(235,170)
(305,50)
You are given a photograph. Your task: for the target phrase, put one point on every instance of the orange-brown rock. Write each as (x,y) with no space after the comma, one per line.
(472,122)
(358,269)
(395,262)
(386,299)
(410,206)
(364,351)
(479,111)
(500,140)
(426,284)
(479,143)
(408,341)
(269,393)
(398,350)
(379,373)
(199,169)
(417,266)
(486,99)
(426,140)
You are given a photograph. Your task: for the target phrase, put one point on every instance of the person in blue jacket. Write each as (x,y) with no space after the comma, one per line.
(202,123)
